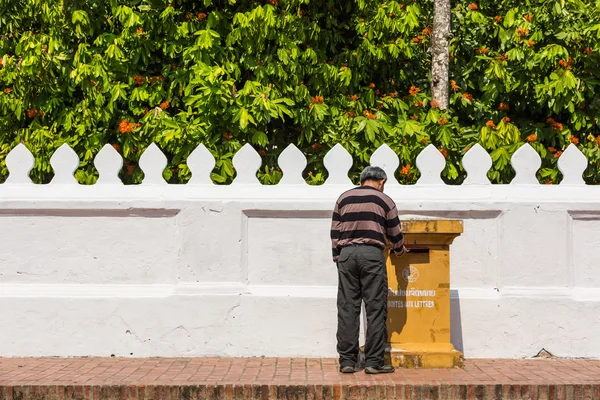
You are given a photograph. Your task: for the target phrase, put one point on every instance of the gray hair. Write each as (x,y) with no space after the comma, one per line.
(372,174)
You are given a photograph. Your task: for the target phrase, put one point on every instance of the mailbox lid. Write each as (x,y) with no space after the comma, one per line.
(431,231)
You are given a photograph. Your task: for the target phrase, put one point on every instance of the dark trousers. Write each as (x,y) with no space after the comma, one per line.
(362,276)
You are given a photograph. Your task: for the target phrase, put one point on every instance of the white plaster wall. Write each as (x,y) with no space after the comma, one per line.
(252,277)
(245,269)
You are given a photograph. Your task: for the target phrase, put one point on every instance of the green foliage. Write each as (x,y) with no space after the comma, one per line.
(313,73)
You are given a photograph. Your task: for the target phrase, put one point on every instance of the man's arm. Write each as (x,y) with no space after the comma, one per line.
(336,223)
(394,233)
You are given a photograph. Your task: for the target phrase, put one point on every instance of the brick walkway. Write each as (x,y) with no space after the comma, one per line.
(269,378)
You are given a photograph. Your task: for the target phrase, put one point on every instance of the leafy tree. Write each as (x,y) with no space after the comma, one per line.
(313,73)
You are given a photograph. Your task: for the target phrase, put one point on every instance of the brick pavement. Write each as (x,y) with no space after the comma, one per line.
(284,378)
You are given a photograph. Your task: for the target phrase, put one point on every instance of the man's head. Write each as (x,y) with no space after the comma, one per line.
(374,177)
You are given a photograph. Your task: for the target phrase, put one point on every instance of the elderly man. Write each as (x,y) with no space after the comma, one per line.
(362,218)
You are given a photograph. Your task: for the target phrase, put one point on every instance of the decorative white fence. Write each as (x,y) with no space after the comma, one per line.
(430,162)
(245,269)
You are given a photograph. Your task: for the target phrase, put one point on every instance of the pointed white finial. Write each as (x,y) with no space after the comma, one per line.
(246,163)
(64,162)
(201,163)
(388,160)
(477,162)
(572,163)
(293,163)
(431,163)
(153,162)
(338,162)
(526,162)
(19,162)
(108,162)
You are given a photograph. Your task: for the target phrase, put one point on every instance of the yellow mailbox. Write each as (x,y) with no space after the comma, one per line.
(419,297)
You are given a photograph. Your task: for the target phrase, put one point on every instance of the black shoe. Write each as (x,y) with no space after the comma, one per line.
(348,369)
(386,369)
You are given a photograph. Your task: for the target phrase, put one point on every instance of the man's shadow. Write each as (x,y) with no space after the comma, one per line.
(397,299)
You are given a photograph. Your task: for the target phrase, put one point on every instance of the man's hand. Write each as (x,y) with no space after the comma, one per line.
(402,252)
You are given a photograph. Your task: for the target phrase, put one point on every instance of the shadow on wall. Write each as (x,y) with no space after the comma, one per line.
(456,334)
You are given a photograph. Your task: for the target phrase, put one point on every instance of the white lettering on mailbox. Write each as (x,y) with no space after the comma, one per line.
(411,304)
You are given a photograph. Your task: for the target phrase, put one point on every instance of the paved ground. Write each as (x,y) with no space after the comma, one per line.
(284,378)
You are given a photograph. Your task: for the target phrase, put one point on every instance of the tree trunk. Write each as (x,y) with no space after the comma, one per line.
(440,41)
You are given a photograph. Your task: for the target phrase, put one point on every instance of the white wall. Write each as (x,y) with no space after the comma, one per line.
(245,269)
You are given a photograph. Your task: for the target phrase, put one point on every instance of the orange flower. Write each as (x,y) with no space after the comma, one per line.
(405,170)
(588,50)
(369,114)
(443,121)
(503,57)
(558,126)
(7,90)
(444,153)
(532,137)
(274,2)
(498,19)
(372,85)
(414,90)
(427,31)
(530,43)
(137,124)
(503,107)
(1,61)
(165,104)
(139,31)
(425,140)
(351,114)
(468,97)
(32,113)
(528,17)
(261,153)
(473,6)
(549,182)
(417,40)
(354,97)
(491,124)
(574,140)
(563,64)
(316,146)
(201,16)
(116,147)
(505,119)
(551,149)
(521,32)
(481,50)
(394,94)
(414,117)
(455,87)
(125,126)
(558,154)
(227,136)
(318,100)
(418,103)
(138,79)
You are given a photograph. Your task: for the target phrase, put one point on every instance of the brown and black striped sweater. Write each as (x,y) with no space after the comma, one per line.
(364,215)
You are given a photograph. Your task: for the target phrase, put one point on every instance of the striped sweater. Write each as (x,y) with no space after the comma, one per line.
(364,215)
